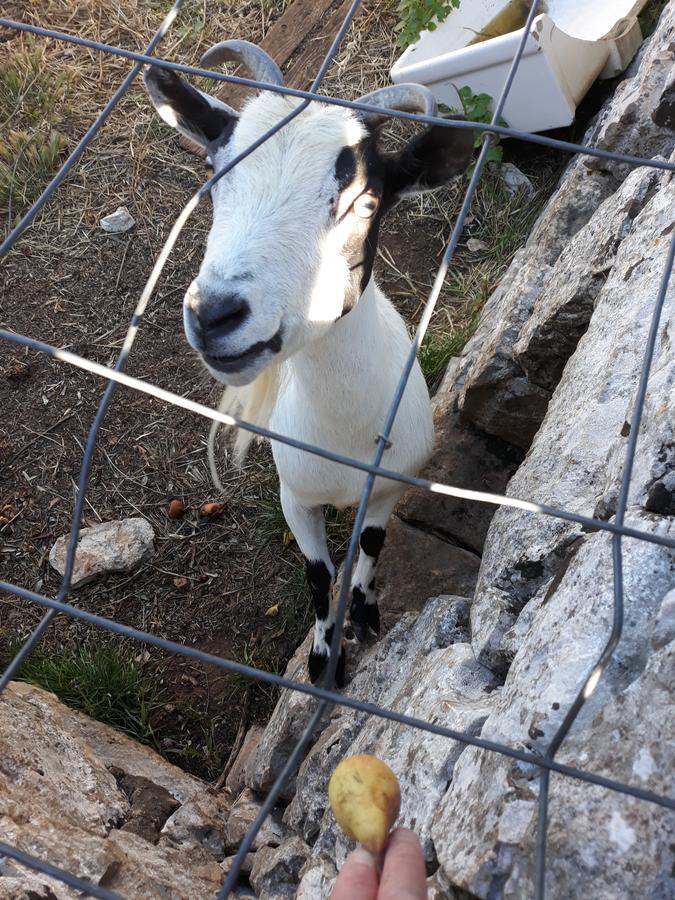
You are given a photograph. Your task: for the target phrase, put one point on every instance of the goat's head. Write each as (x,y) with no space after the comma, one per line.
(295,224)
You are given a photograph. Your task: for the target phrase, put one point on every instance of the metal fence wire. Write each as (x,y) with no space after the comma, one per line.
(325,695)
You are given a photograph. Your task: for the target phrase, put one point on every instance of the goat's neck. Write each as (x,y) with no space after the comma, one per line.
(347,352)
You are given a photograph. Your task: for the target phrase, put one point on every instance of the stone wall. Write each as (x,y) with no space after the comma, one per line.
(541,399)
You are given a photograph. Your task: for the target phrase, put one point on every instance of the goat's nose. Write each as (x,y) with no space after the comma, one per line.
(214,314)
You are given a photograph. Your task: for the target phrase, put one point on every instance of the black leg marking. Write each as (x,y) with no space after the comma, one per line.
(371,540)
(371,586)
(373,617)
(318,661)
(358,615)
(319,579)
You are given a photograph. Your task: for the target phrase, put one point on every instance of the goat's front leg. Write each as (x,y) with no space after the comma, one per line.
(363,612)
(309,529)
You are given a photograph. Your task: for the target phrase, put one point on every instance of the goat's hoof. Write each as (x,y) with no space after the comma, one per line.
(317,663)
(364,618)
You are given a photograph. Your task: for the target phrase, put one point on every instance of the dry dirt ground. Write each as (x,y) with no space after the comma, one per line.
(211,583)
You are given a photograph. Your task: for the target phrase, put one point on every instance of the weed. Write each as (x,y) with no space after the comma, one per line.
(416,16)
(101,681)
(31,104)
(438,349)
(650,15)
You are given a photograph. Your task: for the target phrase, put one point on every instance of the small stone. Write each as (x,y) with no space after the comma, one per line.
(275,871)
(473,245)
(118,222)
(246,865)
(236,778)
(242,815)
(109,547)
(515,180)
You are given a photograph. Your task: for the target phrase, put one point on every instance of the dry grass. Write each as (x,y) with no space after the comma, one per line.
(231,586)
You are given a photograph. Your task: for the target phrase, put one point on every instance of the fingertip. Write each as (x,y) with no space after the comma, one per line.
(404,874)
(357,878)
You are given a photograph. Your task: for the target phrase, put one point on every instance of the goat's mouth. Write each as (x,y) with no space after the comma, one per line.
(230,364)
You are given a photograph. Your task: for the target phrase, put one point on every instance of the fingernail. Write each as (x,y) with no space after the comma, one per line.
(361,855)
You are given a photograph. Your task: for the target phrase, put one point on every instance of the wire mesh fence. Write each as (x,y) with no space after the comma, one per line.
(325,695)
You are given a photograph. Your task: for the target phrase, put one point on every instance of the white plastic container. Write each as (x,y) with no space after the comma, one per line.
(568,47)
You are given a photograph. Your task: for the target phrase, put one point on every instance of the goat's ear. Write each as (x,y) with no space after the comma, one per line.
(199,116)
(428,161)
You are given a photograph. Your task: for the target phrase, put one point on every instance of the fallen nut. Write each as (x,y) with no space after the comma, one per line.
(176,509)
(211,510)
(365,797)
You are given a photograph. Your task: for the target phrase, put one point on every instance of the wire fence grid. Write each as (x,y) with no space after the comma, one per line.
(115,376)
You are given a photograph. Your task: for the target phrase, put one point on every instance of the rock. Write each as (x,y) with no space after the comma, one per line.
(151,805)
(563,308)
(578,455)
(317,880)
(464,457)
(275,871)
(448,686)
(514,180)
(60,802)
(497,395)
(484,830)
(245,868)
(109,547)
(243,812)
(118,222)
(291,715)
(415,564)
(473,245)
(236,777)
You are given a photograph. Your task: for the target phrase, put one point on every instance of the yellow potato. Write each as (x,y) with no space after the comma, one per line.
(365,798)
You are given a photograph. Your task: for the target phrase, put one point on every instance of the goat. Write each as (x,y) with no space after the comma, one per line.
(285,309)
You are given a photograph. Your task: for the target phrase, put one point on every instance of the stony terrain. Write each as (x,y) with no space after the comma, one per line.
(513,614)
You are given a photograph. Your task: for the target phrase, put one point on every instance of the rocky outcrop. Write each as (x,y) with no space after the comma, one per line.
(552,370)
(78,794)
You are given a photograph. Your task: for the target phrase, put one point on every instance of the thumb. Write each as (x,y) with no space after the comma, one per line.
(358,878)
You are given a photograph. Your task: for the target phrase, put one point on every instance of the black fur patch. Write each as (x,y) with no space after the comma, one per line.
(371,540)
(373,617)
(357,609)
(317,663)
(193,112)
(319,579)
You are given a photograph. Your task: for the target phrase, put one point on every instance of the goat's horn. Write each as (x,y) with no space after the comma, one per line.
(258,63)
(414,98)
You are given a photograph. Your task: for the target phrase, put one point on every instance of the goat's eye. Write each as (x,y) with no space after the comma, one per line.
(366,205)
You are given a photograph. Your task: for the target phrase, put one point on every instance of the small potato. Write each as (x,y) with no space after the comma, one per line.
(365,797)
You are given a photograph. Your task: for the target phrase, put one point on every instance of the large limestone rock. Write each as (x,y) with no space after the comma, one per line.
(90,800)
(498,394)
(553,369)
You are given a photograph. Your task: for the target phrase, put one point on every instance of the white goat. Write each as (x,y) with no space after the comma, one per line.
(285,309)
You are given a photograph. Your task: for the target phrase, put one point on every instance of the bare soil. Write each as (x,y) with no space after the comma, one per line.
(232,585)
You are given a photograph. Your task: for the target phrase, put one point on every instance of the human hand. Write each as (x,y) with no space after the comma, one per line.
(403,873)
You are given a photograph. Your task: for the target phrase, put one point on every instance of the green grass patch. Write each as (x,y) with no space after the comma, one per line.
(100,681)
(650,15)
(438,349)
(33,102)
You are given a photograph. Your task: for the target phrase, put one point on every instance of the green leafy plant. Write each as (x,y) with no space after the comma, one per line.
(478,108)
(416,16)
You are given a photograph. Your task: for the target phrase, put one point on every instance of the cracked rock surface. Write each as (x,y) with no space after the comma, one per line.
(539,406)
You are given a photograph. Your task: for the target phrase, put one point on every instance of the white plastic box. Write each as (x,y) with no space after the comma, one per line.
(568,47)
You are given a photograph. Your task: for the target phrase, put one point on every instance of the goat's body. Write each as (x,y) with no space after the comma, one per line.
(335,393)
(284,309)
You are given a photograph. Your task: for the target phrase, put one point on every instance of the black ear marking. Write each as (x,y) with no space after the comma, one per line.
(200,120)
(429,160)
